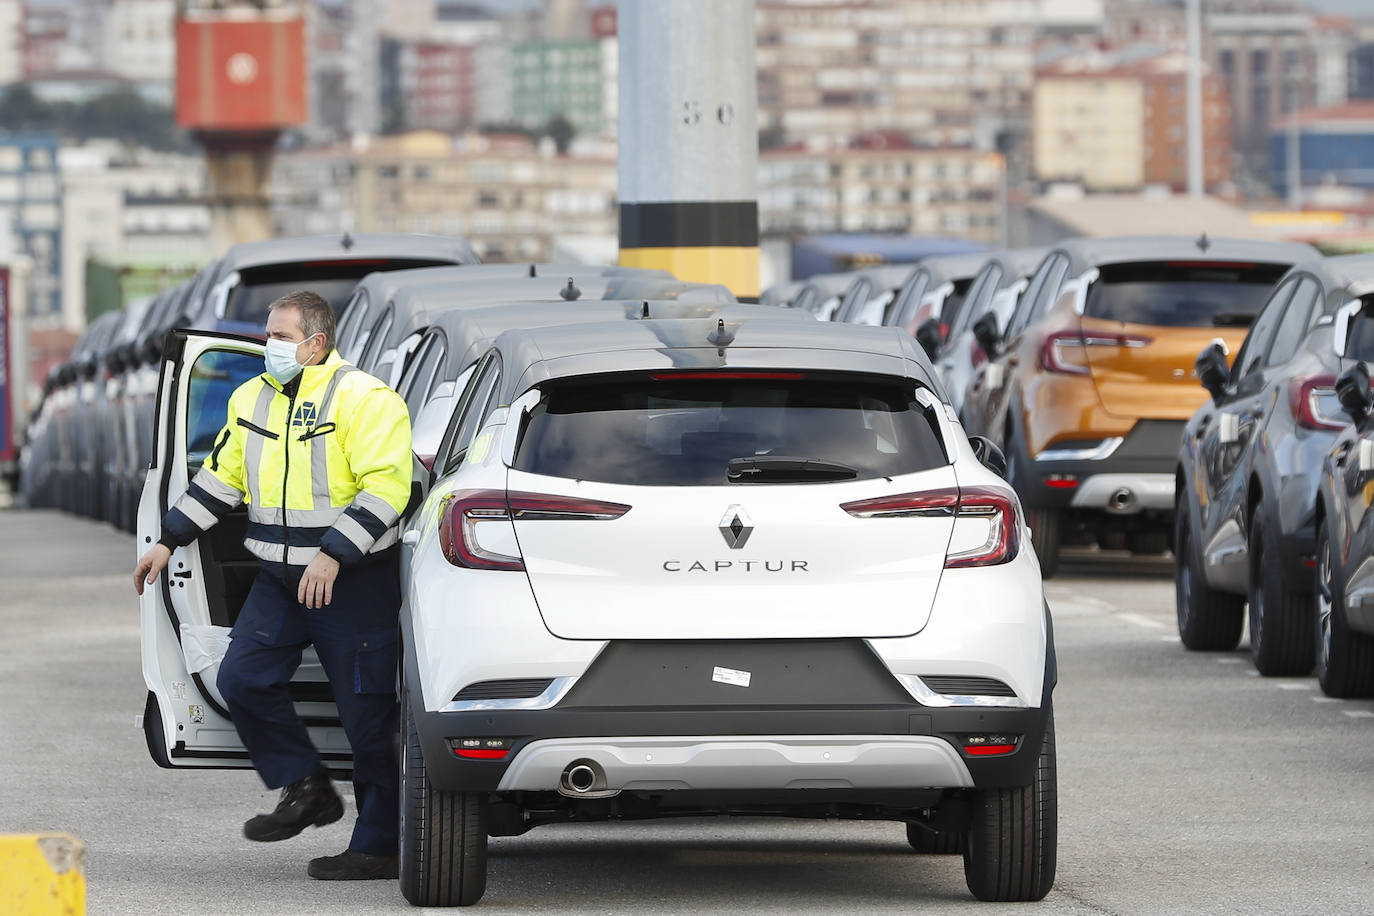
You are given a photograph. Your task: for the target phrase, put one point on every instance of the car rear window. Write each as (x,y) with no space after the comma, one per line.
(259,287)
(1181,294)
(675,429)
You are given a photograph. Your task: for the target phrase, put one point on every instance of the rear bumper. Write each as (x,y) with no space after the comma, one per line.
(741,762)
(1122,477)
(891,747)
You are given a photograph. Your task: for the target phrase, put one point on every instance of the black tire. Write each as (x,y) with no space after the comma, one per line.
(1148,542)
(1013,839)
(935,843)
(1047,532)
(1208,620)
(443,834)
(1282,635)
(1345,659)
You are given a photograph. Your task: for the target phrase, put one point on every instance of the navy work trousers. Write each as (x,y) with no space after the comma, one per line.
(355,639)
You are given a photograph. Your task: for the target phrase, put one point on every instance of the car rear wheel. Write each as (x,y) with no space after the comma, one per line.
(1281,631)
(935,842)
(443,834)
(1345,659)
(1013,839)
(1208,620)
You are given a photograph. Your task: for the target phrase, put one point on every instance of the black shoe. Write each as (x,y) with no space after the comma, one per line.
(311,800)
(354,866)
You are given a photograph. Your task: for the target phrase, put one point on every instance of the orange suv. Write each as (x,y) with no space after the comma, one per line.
(1089,385)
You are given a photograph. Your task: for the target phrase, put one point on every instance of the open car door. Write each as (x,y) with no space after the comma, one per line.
(186,614)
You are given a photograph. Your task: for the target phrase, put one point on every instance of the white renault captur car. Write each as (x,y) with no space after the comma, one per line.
(689,567)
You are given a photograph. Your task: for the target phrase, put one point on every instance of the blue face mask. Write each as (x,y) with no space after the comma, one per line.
(281,360)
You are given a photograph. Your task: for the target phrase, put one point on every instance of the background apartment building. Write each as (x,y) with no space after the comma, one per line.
(882,185)
(511,197)
(1118,122)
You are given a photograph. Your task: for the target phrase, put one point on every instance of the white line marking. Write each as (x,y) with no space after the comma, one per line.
(1142,621)
(1358,713)
(1294,686)
(1252,673)
(1326,699)
(1173,639)
(1228,661)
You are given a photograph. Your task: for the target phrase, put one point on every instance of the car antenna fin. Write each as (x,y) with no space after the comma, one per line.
(570,292)
(721,336)
(346,242)
(1203,243)
(645,312)
(533,272)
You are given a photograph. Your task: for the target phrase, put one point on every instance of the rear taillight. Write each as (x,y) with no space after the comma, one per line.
(995,505)
(1067,351)
(1314,403)
(465,512)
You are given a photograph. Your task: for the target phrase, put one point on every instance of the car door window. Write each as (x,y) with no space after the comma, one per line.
(1019,315)
(910,297)
(419,377)
(214,376)
(1047,294)
(376,338)
(1297,318)
(353,315)
(472,410)
(1256,345)
(854,299)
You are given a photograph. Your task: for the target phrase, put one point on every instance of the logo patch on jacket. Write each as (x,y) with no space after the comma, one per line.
(305,414)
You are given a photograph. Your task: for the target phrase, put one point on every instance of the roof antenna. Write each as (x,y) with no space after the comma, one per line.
(721,336)
(570,292)
(645,312)
(533,272)
(346,241)
(1202,243)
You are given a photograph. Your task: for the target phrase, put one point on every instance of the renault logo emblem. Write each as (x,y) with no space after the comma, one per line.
(736,526)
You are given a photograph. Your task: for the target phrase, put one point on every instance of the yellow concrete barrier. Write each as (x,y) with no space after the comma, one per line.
(42,875)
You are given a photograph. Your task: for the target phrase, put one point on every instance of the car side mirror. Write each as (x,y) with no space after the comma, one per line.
(989,455)
(985,332)
(152,349)
(1352,390)
(928,336)
(1212,371)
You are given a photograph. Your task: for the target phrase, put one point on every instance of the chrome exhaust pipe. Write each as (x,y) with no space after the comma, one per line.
(581,777)
(1123,500)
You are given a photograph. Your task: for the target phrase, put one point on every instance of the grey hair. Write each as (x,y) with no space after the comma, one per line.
(317,315)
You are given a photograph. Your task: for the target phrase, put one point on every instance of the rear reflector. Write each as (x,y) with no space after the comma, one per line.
(989,750)
(1061,481)
(479,754)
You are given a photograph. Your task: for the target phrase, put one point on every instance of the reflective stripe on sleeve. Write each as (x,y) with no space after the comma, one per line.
(217,489)
(379,507)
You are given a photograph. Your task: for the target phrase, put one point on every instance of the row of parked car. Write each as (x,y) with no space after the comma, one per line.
(1104,368)
(614,601)
(88,443)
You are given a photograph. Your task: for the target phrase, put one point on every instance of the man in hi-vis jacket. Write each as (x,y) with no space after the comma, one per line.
(321,452)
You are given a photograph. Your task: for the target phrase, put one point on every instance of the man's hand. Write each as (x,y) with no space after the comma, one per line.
(317,582)
(149,565)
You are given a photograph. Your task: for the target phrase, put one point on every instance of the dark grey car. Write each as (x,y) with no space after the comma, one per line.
(1248,469)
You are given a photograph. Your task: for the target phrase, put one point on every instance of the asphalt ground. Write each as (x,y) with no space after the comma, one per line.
(1188,784)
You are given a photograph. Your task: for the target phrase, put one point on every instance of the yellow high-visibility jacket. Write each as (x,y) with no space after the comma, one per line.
(324,464)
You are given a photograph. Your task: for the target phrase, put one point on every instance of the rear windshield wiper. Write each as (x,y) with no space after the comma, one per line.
(1232,320)
(782,469)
